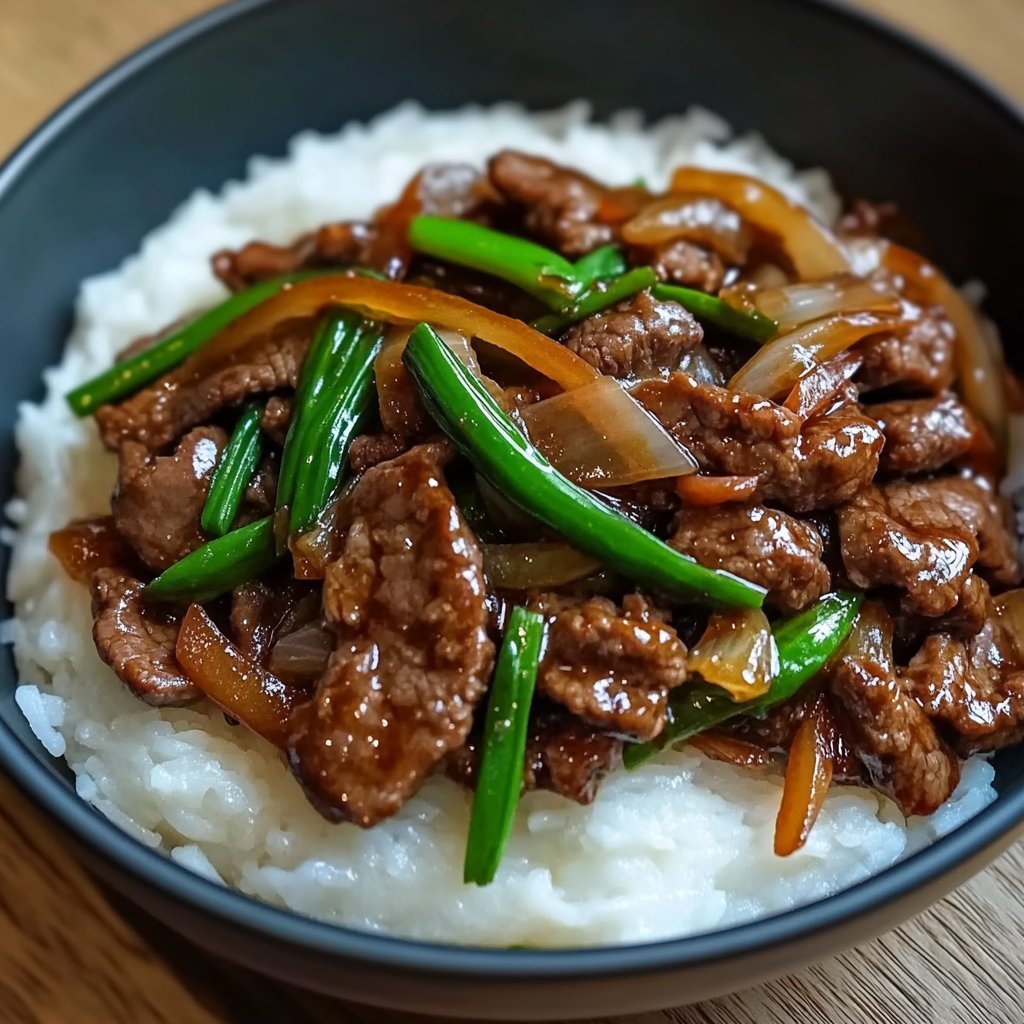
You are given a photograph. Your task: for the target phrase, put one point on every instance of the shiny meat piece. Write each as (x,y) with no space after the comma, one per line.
(759,544)
(612,668)
(372,449)
(974,687)
(923,434)
(277,415)
(693,266)
(907,536)
(158,500)
(903,755)
(158,414)
(802,466)
(559,205)
(137,641)
(989,519)
(261,492)
(640,337)
(406,597)
(919,359)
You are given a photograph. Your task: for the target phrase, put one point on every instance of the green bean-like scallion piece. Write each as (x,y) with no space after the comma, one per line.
(500,775)
(130,375)
(599,297)
(233,473)
(543,273)
(599,265)
(752,325)
(219,566)
(462,407)
(805,643)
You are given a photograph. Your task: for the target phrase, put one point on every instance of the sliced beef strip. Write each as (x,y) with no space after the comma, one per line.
(688,264)
(137,641)
(924,434)
(762,545)
(802,466)
(901,751)
(919,359)
(966,619)
(277,415)
(990,520)
(408,601)
(260,498)
(613,668)
(640,337)
(159,499)
(973,687)
(559,205)
(188,395)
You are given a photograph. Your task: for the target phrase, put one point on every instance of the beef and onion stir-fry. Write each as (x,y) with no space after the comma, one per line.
(528,478)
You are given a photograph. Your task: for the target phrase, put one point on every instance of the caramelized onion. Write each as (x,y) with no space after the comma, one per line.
(86,545)
(702,366)
(776,367)
(795,304)
(810,247)
(396,392)
(526,566)
(737,652)
(701,219)
(734,751)
(302,655)
(870,638)
(238,686)
(715,490)
(598,436)
(818,389)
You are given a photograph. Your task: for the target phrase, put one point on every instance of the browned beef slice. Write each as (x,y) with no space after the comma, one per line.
(560,206)
(802,466)
(189,395)
(137,641)
(990,520)
(758,544)
(693,266)
(923,434)
(901,752)
(261,492)
(407,599)
(920,359)
(905,535)
(277,415)
(975,687)
(158,500)
(612,668)
(252,625)
(640,337)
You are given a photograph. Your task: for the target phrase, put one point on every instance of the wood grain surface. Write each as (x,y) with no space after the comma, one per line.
(70,954)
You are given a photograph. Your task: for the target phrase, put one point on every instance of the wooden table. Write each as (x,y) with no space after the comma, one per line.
(68,956)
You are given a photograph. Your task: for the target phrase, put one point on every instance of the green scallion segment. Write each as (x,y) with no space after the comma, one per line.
(219,566)
(543,273)
(599,297)
(500,775)
(805,643)
(483,432)
(233,473)
(128,376)
(753,326)
(599,265)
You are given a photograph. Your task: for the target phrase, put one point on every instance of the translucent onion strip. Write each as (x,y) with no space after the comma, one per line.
(598,436)
(701,219)
(817,390)
(795,304)
(737,652)
(528,566)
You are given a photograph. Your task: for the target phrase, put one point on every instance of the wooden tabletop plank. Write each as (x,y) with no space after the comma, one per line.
(69,952)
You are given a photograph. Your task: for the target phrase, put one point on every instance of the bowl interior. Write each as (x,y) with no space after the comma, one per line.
(885,118)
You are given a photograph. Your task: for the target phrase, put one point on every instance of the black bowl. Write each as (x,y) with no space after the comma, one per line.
(887,117)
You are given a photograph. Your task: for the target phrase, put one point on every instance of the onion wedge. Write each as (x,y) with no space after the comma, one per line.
(795,304)
(528,566)
(701,219)
(818,389)
(733,751)
(715,490)
(737,652)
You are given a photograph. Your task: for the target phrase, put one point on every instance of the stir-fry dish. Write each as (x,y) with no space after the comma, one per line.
(528,478)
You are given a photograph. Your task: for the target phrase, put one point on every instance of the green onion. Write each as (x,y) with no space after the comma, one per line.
(805,643)
(752,325)
(132,374)
(599,297)
(233,473)
(500,775)
(462,407)
(219,566)
(599,265)
(543,273)
(336,412)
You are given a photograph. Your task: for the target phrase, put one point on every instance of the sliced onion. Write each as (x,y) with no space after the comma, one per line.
(737,652)
(302,655)
(776,367)
(599,436)
(312,550)
(870,638)
(396,392)
(701,219)
(734,751)
(818,389)
(715,490)
(808,777)
(86,545)
(980,365)
(795,304)
(812,249)
(238,686)
(527,566)
(702,366)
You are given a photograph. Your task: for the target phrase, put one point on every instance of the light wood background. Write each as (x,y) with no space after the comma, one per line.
(68,955)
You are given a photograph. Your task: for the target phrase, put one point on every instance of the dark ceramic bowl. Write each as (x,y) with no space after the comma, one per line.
(888,118)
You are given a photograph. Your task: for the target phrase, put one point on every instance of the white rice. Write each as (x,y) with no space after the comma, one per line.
(682,845)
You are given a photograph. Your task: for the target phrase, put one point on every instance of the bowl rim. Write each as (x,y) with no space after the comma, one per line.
(233,908)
